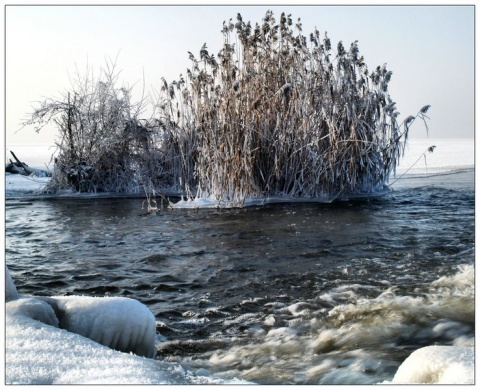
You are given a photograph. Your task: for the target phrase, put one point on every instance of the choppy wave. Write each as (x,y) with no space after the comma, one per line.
(362,341)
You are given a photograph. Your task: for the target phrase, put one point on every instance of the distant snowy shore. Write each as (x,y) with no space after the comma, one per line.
(448,155)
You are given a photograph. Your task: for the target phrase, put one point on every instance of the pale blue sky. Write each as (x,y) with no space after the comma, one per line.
(430,50)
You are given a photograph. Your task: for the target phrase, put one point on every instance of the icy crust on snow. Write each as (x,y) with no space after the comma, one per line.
(69,340)
(438,365)
(448,155)
(22,185)
(37,353)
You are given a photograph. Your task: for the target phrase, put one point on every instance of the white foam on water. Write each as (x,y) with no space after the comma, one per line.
(344,344)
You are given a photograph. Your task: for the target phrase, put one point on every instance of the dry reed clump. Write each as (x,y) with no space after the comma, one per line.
(102,145)
(274,114)
(277,114)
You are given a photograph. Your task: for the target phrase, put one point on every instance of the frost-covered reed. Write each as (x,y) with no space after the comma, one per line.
(277,114)
(274,114)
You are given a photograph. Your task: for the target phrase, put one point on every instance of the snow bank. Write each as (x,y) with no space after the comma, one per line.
(439,365)
(37,353)
(21,185)
(58,340)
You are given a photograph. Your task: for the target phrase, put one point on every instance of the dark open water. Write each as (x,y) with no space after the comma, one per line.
(293,293)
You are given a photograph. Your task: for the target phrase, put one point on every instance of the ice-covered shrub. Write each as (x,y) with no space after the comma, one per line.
(102,144)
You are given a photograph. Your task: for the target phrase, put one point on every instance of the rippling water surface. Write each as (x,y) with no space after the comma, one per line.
(293,293)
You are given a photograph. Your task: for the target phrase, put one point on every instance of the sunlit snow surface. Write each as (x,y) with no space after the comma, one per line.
(39,352)
(438,364)
(448,155)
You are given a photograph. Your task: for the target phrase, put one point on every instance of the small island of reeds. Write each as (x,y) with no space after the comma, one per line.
(274,115)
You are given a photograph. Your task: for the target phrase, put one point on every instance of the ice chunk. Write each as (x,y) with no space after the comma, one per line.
(120,323)
(10,289)
(439,365)
(33,308)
